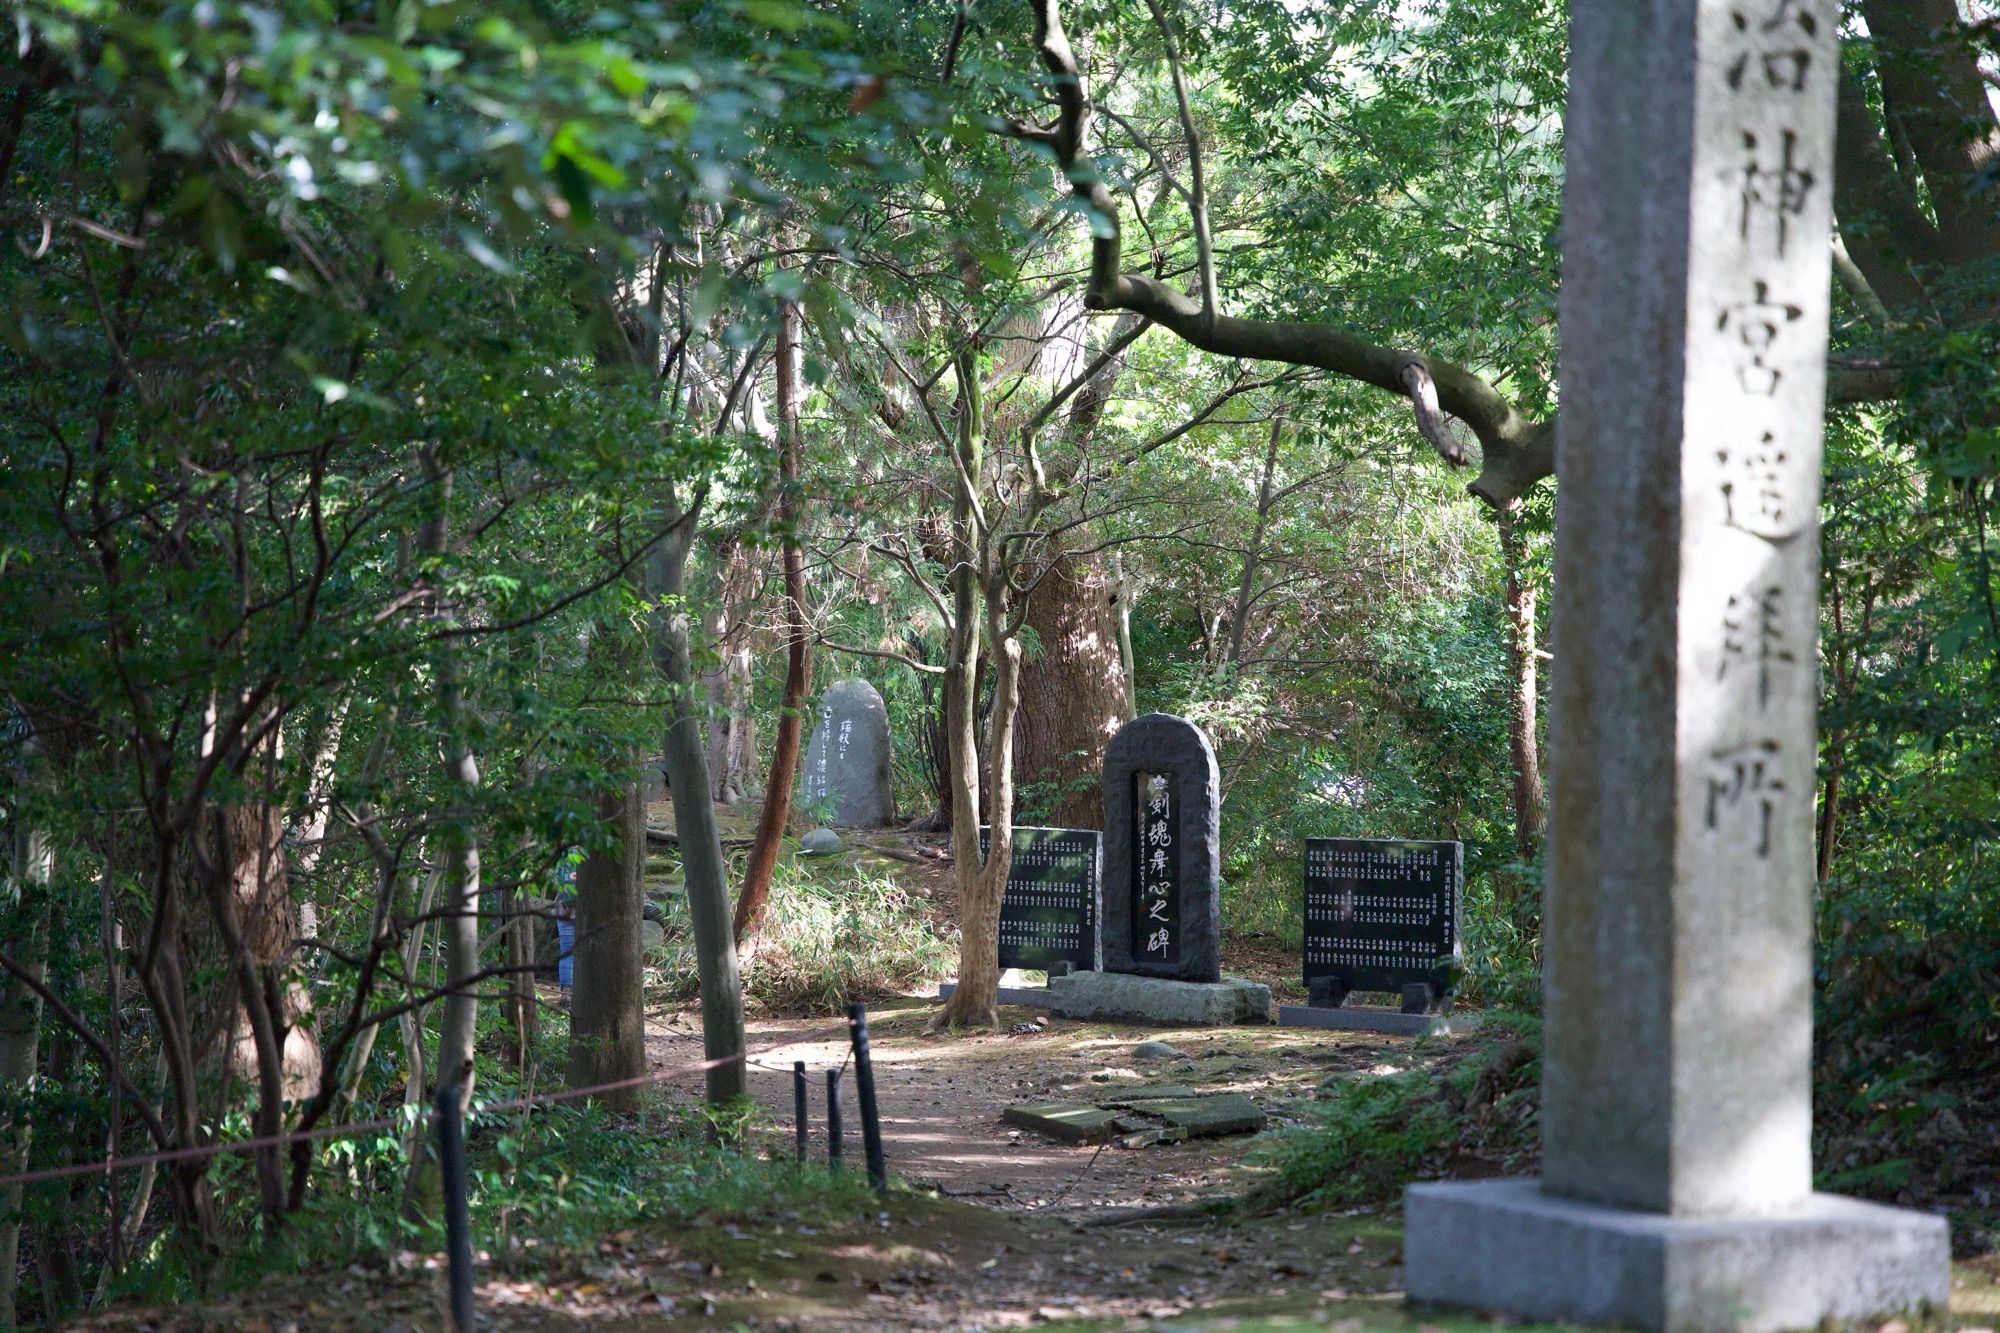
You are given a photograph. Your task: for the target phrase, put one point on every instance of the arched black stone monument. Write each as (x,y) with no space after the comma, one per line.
(1162,851)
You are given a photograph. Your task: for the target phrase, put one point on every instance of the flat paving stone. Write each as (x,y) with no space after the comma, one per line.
(1071,1122)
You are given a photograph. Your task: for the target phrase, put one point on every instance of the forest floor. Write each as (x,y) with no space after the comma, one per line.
(986,1227)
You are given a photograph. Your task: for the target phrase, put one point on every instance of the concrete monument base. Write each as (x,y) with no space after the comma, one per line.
(1122,997)
(1503,1245)
(1375,1020)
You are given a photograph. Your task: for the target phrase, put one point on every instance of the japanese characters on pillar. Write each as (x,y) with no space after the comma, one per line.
(1156,870)
(1756,384)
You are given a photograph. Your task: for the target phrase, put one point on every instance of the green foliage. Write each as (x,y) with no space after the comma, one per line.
(544,1189)
(833,932)
(1378,1131)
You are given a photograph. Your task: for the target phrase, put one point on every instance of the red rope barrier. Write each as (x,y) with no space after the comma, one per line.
(110,1164)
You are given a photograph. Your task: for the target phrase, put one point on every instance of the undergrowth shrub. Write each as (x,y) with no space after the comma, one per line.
(1376,1134)
(830,934)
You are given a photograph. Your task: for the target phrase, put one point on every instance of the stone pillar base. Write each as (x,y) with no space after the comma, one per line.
(1503,1245)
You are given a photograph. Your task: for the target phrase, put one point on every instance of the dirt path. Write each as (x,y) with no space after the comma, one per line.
(942,1096)
(1001,1229)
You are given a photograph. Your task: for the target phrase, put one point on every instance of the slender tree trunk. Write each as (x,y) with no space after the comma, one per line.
(519,935)
(732,736)
(798,664)
(975,1003)
(1246,585)
(1524,752)
(694,818)
(457,840)
(20,1031)
(607,1028)
(1074,695)
(1124,594)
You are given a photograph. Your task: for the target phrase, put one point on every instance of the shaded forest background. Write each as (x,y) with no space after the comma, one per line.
(425,422)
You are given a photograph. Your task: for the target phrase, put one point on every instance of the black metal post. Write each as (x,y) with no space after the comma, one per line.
(864,1077)
(833,1130)
(457,1216)
(799,1105)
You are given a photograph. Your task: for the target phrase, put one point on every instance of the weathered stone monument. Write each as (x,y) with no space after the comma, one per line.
(847,764)
(1380,914)
(1162,927)
(1676,1098)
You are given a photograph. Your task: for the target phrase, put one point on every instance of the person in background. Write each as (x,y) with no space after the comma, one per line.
(566,917)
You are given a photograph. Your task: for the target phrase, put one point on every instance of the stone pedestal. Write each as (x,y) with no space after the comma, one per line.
(1677,1017)
(1120,997)
(1507,1245)
(1374,1020)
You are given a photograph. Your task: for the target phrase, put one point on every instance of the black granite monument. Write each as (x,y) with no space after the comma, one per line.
(1382,915)
(1049,913)
(1162,851)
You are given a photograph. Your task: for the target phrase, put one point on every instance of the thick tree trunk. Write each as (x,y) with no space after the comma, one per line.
(251,854)
(20,1031)
(798,663)
(607,1028)
(1074,697)
(694,819)
(1523,748)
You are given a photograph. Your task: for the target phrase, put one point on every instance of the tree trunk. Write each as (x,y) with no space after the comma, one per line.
(607,1027)
(519,934)
(1246,585)
(1074,696)
(976,585)
(1124,591)
(798,663)
(1523,748)
(20,1030)
(732,736)
(457,839)
(694,818)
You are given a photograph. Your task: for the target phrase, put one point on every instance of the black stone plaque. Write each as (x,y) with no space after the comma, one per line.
(1162,858)
(1381,914)
(1048,915)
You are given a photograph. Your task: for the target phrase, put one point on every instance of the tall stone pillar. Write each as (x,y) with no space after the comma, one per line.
(1676,1092)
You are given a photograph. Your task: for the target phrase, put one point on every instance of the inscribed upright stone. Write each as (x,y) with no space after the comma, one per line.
(1676,1097)
(847,764)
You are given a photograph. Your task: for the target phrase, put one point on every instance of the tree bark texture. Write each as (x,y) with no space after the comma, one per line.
(979,591)
(1523,747)
(732,732)
(777,809)
(20,1032)
(1074,695)
(694,819)
(457,840)
(606,1024)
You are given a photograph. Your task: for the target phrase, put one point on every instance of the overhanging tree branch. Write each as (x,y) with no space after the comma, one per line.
(1516,452)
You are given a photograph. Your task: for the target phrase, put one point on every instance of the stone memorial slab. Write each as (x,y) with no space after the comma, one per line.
(1382,914)
(846,773)
(1162,851)
(1049,912)
(1677,1005)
